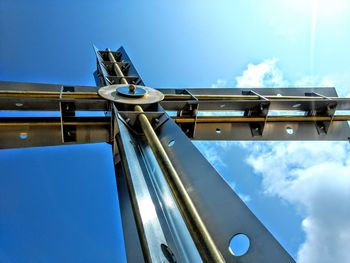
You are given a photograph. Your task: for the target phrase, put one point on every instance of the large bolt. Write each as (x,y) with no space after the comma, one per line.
(132,88)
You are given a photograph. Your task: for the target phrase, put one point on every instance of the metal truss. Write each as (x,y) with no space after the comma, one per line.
(175,207)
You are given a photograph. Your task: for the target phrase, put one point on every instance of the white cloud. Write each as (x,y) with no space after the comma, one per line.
(220,83)
(316,178)
(313,176)
(265,74)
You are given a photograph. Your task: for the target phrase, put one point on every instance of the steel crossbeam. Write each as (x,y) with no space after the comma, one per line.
(43,97)
(162,179)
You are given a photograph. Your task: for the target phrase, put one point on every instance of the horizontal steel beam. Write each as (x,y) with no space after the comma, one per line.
(19,99)
(168,96)
(33,132)
(320,104)
(96,121)
(97,129)
(27,86)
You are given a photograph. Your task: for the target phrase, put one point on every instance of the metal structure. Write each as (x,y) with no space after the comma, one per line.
(175,207)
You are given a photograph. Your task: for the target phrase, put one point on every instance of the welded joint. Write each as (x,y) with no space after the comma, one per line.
(158,122)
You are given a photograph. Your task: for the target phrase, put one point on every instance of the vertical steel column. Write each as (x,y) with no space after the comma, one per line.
(199,232)
(133,199)
(116,68)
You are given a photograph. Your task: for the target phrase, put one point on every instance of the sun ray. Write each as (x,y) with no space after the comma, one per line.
(314,17)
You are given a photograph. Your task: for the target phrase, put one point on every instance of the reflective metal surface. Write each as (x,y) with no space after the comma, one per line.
(131,91)
(110,93)
(194,222)
(154,203)
(48,131)
(223,212)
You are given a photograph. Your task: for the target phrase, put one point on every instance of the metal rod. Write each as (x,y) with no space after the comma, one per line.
(48,94)
(116,68)
(235,97)
(247,119)
(194,222)
(202,119)
(94,95)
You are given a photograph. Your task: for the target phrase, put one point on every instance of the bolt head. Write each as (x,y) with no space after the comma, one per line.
(132,88)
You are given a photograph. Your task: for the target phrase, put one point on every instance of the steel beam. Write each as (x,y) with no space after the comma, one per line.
(37,131)
(206,99)
(145,198)
(199,232)
(97,129)
(223,212)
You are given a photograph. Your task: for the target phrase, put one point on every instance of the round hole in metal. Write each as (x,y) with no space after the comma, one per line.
(289,130)
(218,130)
(239,245)
(23,135)
(171,143)
(168,254)
(296,105)
(19,104)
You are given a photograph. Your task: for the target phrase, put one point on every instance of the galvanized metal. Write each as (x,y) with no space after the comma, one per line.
(198,230)
(223,212)
(159,217)
(36,131)
(97,129)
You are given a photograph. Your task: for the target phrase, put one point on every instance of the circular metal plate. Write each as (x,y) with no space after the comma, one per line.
(111,93)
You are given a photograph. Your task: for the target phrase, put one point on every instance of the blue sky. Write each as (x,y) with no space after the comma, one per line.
(177,44)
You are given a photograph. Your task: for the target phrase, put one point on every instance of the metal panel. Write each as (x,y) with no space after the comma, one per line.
(279,131)
(242,105)
(32,132)
(8,85)
(43,104)
(223,212)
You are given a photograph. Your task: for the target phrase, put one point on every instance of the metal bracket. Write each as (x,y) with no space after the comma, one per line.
(257,128)
(329,111)
(189,110)
(157,119)
(67,109)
